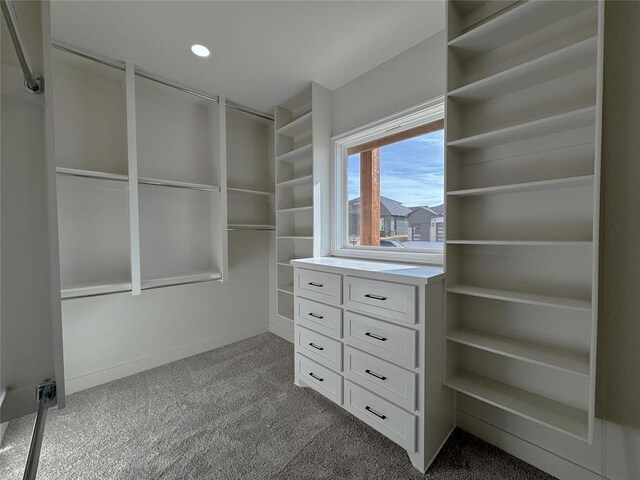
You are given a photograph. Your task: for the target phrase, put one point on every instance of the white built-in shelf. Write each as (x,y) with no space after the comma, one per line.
(180,280)
(246,191)
(294,182)
(299,153)
(537,128)
(76,172)
(247,226)
(174,184)
(296,209)
(523,243)
(286,289)
(551,357)
(91,290)
(573,58)
(517,22)
(287,315)
(522,297)
(299,126)
(526,186)
(295,237)
(285,263)
(536,408)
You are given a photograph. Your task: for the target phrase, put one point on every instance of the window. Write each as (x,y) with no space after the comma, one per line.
(389,188)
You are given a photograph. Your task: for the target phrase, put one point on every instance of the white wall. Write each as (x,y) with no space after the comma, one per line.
(113,336)
(415,75)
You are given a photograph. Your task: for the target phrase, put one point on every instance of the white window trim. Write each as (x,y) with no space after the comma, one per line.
(420,114)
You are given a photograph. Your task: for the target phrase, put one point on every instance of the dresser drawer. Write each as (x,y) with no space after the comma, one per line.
(386,379)
(319,317)
(391,301)
(386,340)
(388,419)
(321,286)
(323,350)
(320,378)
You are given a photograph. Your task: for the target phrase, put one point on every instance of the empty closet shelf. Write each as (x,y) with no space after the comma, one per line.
(520,350)
(76,172)
(248,226)
(93,289)
(524,243)
(297,127)
(294,182)
(297,154)
(247,191)
(522,297)
(180,280)
(174,184)
(582,180)
(537,128)
(536,408)
(286,289)
(295,209)
(295,237)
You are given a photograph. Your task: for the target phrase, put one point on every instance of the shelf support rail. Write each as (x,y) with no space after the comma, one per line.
(32,81)
(45,395)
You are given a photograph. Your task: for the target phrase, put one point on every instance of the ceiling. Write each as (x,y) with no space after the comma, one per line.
(263,52)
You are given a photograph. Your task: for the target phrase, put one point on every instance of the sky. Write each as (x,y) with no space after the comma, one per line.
(411,171)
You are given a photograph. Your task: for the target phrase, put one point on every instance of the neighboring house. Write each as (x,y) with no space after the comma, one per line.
(426,224)
(393,217)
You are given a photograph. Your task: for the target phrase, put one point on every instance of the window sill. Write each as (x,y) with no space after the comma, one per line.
(413,257)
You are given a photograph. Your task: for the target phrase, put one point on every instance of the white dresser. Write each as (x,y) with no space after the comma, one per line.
(370,337)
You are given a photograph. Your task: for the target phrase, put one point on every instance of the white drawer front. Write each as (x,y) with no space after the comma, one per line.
(319,317)
(386,340)
(388,419)
(391,301)
(320,378)
(322,349)
(321,286)
(386,379)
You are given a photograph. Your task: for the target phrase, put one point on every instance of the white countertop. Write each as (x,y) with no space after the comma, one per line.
(410,273)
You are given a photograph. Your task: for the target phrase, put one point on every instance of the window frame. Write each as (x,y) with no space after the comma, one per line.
(427,112)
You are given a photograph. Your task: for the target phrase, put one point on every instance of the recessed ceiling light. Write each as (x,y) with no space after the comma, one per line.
(200,50)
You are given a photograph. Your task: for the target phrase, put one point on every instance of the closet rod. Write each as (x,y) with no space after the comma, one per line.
(153,78)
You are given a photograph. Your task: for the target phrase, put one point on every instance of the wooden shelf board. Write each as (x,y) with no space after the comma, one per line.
(286,289)
(93,289)
(523,243)
(76,172)
(296,181)
(295,209)
(175,184)
(561,62)
(536,408)
(299,126)
(296,155)
(180,280)
(249,226)
(522,297)
(579,181)
(247,191)
(520,350)
(537,128)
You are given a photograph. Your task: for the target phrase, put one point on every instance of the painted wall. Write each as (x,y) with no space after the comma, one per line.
(412,77)
(113,336)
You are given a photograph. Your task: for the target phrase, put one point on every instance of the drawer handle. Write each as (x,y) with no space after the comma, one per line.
(375,297)
(315,315)
(374,374)
(377,337)
(313,375)
(316,346)
(379,415)
(315,284)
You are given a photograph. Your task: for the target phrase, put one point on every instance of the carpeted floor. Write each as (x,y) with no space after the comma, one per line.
(232,413)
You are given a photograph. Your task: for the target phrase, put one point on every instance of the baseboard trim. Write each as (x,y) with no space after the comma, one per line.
(281,332)
(538,457)
(98,377)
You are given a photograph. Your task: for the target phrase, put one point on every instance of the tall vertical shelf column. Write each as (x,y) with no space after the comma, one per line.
(524,103)
(302,157)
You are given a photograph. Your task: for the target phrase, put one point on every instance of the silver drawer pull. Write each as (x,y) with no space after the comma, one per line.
(379,415)
(312,375)
(374,374)
(315,315)
(377,337)
(315,284)
(316,346)
(375,297)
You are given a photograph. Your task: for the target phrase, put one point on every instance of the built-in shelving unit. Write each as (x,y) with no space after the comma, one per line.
(523,123)
(302,136)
